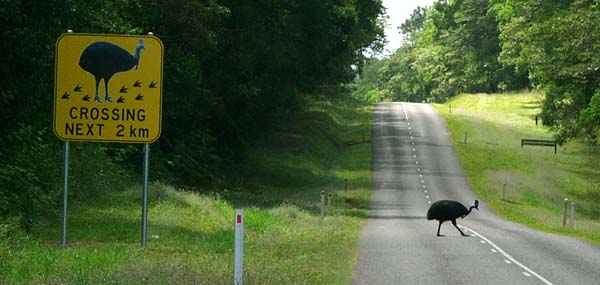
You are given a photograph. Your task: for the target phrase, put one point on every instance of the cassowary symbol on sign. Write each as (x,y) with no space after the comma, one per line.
(104,59)
(447,210)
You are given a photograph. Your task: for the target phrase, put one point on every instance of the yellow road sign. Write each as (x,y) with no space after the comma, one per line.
(108,88)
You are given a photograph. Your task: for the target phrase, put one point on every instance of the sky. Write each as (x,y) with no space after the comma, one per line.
(398,12)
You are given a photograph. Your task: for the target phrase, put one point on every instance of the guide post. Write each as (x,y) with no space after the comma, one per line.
(238,266)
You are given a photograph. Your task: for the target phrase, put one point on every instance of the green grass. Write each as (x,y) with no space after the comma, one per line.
(190,234)
(536,180)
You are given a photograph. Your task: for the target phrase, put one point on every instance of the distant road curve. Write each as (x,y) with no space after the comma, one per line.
(414,164)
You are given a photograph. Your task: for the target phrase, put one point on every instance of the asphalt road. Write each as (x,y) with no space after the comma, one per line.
(414,164)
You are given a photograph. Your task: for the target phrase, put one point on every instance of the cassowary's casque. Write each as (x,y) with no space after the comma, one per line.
(104,59)
(447,210)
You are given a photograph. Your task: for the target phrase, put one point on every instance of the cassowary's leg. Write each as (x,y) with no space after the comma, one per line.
(106,97)
(454,223)
(438,232)
(97,98)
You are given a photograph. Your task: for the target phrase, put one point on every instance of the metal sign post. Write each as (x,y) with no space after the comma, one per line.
(238,266)
(65,194)
(145,196)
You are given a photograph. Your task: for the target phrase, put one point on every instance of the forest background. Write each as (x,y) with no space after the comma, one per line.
(491,46)
(233,71)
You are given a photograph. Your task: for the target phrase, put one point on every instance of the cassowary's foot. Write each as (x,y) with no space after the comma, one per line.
(439,235)
(97,99)
(108,99)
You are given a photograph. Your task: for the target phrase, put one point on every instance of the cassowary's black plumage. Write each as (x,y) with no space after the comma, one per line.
(447,210)
(104,59)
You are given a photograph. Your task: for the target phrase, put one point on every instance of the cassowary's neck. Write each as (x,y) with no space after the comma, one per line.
(469,211)
(138,51)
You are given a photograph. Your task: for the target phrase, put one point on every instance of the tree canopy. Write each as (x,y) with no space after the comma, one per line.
(502,45)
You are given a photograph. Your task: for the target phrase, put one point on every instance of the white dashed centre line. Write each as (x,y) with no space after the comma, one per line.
(405,114)
(414,155)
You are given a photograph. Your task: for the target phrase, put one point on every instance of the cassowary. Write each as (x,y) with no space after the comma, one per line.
(447,210)
(104,59)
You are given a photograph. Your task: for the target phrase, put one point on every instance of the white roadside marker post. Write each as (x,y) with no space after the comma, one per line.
(238,266)
(572,215)
(329,204)
(322,204)
(346,185)
(564,223)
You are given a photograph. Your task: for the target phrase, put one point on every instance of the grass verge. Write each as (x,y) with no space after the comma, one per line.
(536,180)
(190,233)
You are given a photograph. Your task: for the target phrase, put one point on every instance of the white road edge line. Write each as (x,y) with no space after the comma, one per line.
(508,256)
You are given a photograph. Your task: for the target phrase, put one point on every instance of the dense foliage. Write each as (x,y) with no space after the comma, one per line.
(501,45)
(232,70)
